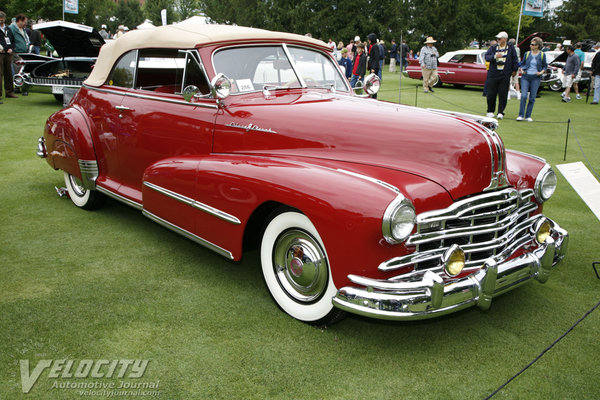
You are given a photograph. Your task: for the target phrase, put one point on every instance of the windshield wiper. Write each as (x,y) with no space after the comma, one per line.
(267,89)
(330,86)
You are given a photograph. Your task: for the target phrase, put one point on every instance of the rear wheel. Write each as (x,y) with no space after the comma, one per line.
(81,197)
(296,269)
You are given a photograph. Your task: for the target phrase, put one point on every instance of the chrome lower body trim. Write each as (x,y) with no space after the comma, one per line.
(429,296)
(89,173)
(120,198)
(188,235)
(194,203)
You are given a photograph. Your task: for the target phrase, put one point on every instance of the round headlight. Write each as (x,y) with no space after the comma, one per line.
(545,184)
(398,220)
(18,80)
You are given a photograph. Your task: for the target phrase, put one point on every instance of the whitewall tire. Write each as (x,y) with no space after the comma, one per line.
(296,269)
(81,197)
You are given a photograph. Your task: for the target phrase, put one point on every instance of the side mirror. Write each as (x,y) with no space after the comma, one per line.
(372,84)
(359,89)
(221,86)
(190,92)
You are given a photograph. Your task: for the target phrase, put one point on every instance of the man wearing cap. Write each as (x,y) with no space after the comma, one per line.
(103,32)
(504,64)
(428,58)
(571,69)
(359,66)
(346,63)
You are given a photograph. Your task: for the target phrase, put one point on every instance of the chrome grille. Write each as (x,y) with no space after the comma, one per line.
(484,225)
(55,81)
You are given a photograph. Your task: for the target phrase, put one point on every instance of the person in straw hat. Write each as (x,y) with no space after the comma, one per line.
(428,59)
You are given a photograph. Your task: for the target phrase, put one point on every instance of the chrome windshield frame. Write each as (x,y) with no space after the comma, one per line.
(286,50)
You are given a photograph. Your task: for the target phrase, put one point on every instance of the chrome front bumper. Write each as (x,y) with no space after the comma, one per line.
(550,79)
(429,296)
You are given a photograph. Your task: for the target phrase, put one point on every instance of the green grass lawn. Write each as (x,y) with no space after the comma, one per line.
(111,284)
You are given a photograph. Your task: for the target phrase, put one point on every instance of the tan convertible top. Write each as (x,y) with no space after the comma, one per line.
(184,37)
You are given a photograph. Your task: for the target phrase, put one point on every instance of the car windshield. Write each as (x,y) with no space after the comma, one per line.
(252,68)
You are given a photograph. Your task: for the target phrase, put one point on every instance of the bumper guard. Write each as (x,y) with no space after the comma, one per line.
(429,296)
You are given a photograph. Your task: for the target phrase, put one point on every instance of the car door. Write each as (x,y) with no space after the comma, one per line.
(470,70)
(157,122)
(104,112)
(463,69)
(160,126)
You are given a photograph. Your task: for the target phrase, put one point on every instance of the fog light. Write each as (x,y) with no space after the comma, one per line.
(542,230)
(454,260)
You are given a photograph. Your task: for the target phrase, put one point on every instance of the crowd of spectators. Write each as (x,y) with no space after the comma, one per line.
(503,63)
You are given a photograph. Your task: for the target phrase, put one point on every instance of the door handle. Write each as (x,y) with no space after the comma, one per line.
(123,108)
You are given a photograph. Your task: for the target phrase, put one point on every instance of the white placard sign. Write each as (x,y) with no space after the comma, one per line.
(584,183)
(244,85)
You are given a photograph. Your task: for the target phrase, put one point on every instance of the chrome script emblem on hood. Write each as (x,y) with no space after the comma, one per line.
(250,127)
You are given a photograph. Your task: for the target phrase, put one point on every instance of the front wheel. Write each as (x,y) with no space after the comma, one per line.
(296,269)
(555,86)
(81,197)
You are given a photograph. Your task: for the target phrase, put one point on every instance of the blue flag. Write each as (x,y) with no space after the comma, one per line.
(534,8)
(71,6)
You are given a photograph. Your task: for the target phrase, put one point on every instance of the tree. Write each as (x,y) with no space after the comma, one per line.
(91,12)
(510,13)
(579,19)
(152,10)
(128,13)
(187,8)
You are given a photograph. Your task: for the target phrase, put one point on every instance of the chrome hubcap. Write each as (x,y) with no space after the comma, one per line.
(300,266)
(77,186)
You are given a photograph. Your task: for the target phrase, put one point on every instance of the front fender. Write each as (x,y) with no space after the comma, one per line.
(68,140)
(346,208)
(522,170)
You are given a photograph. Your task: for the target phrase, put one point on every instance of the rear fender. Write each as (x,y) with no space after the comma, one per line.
(69,145)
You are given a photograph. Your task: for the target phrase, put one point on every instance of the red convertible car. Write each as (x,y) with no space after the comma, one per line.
(231,136)
(461,67)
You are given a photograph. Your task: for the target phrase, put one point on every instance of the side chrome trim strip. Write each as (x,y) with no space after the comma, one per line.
(370,179)
(188,235)
(150,97)
(118,197)
(195,203)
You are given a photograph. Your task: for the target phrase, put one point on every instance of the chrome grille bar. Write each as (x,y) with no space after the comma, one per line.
(485,225)
(54,81)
